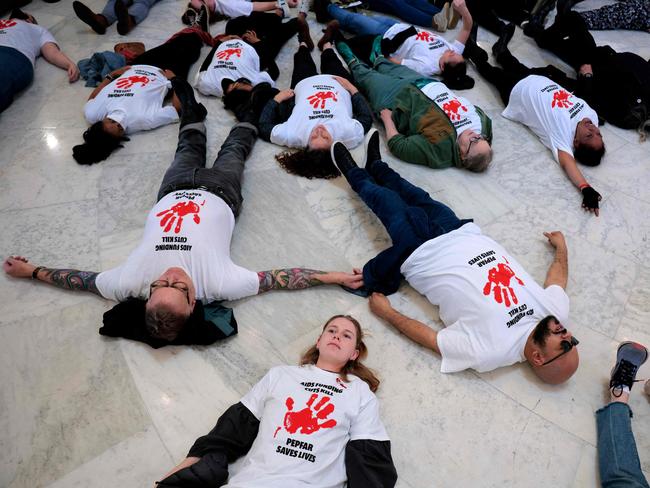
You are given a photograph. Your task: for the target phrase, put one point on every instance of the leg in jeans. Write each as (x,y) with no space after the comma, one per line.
(16,74)
(618,459)
(359,24)
(190,156)
(330,64)
(303,66)
(109,12)
(569,39)
(140,9)
(403,10)
(224,178)
(628,15)
(423,6)
(178,54)
(379,89)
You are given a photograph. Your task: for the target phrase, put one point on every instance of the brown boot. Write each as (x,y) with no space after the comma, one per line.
(97,22)
(330,33)
(125,22)
(303,31)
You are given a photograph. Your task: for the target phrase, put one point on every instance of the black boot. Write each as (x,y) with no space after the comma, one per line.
(475,53)
(191,110)
(372,149)
(502,43)
(342,158)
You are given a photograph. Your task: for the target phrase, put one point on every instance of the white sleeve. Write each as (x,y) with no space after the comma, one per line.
(279,135)
(255,399)
(557,302)
(239,282)
(163,116)
(46,37)
(354,135)
(367,424)
(107,284)
(234,8)
(456,349)
(94,110)
(457,46)
(206,88)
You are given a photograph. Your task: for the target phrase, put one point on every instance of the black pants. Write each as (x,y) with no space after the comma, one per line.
(177,54)
(304,66)
(486,13)
(269,29)
(570,40)
(512,72)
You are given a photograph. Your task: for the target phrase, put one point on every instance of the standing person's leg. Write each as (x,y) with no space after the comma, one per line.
(330,64)
(224,178)
(178,54)
(359,24)
(16,74)
(303,66)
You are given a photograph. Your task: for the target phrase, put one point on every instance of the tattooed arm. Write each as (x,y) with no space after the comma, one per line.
(68,279)
(299,278)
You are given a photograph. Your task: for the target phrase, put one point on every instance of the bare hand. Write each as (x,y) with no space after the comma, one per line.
(73,73)
(386,113)
(556,239)
(169,74)
(586,69)
(18,267)
(346,84)
(284,95)
(250,37)
(395,59)
(459,5)
(352,280)
(379,304)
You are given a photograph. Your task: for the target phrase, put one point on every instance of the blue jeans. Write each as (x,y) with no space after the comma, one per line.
(359,24)
(618,459)
(138,9)
(410,216)
(416,12)
(16,74)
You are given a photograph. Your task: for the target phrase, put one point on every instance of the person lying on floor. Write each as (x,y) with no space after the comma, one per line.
(184,255)
(127,14)
(316,111)
(291,436)
(494,313)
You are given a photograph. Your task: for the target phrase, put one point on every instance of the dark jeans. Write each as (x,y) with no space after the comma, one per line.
(487,13)
(569,39)
(188,170)
(618,459)
(15,75)
(512,72)
(410,216)
(304,66)
(269,29)
(417,12)
(178,54)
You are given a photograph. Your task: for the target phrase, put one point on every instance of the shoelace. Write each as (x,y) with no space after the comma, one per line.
(624,376)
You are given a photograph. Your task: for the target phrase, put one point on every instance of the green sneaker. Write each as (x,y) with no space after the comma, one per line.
(375,51)
(346,53)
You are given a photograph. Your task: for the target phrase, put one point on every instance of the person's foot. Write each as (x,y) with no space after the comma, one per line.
(330,33)
(475,53)
(303,32)
(342,158)
(202,19)
(629,357)
(125,23)
(320,9)
(189,16)
(97,22)
(282,5)
(372,149)
(502,43)
(191,110)
(440,21)
(452,18)
(345,52)
(541,11)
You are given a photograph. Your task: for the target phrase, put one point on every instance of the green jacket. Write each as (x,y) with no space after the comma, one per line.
(426,136)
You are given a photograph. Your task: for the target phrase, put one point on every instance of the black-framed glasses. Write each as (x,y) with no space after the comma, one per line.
(177,285)
(566,347)
(472,140)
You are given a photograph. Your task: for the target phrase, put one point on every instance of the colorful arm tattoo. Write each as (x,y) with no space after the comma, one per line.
(289,279)
(70,279)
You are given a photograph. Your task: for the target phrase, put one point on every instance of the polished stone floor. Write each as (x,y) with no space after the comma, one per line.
(80,410)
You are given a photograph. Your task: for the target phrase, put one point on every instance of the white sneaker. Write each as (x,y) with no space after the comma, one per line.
(304,6)
(282,4)
(440,20)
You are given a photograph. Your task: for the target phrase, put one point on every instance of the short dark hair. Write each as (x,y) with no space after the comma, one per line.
(309,163)
(164,323)
(98,145)
(541,330)
(454,75)
(20,15)
(234,99)
(588,155)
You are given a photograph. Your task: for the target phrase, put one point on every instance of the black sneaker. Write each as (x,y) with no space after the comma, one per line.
(372,148)
(191,110)
(189,17)
(125,22)
(203,19)
(501,45)
(475,53)
(342,158)
(629,357)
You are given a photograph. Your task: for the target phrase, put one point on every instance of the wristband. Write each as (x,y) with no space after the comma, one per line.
(35,272)
(583,186)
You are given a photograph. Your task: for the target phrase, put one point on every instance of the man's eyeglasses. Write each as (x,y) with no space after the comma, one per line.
(177,285)
(472,140)
(566,347)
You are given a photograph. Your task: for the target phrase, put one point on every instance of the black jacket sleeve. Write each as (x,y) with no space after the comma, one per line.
(267,61)
(274,113)
(362,111)
(208,58)
(230,439)
(369,464)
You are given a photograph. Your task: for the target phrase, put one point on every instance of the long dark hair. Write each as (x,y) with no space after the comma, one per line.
(308,163)
(353,366)
(98,145)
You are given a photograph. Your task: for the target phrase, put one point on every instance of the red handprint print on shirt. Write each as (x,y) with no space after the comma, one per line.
(424,36)
(7,23)
(129,81)
(304,421)
(451,109)
(561,99)
(500,277)
(226,53)
(321,97)
(177,213)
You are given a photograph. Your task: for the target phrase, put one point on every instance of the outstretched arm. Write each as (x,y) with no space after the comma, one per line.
(299,278)
(55,56)
(558,272)
(411,328)
(68,279)
(462,10)
(590,197)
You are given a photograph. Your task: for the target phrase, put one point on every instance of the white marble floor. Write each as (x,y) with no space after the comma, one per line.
(79,410)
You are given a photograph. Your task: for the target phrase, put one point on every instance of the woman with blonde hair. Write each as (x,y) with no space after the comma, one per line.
(313,425)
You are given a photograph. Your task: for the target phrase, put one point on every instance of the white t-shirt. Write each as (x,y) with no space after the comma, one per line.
(134,100)
(320,100)
(189,229)
(233,59)
(231,8)
(461,112)
(307,416)
(488,303)
(549,110)
(24,37)
(423,51)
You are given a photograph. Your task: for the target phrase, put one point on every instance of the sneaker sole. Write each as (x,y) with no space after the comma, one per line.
(632,342)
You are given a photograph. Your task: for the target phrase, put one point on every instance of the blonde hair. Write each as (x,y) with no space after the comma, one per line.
(353,366)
